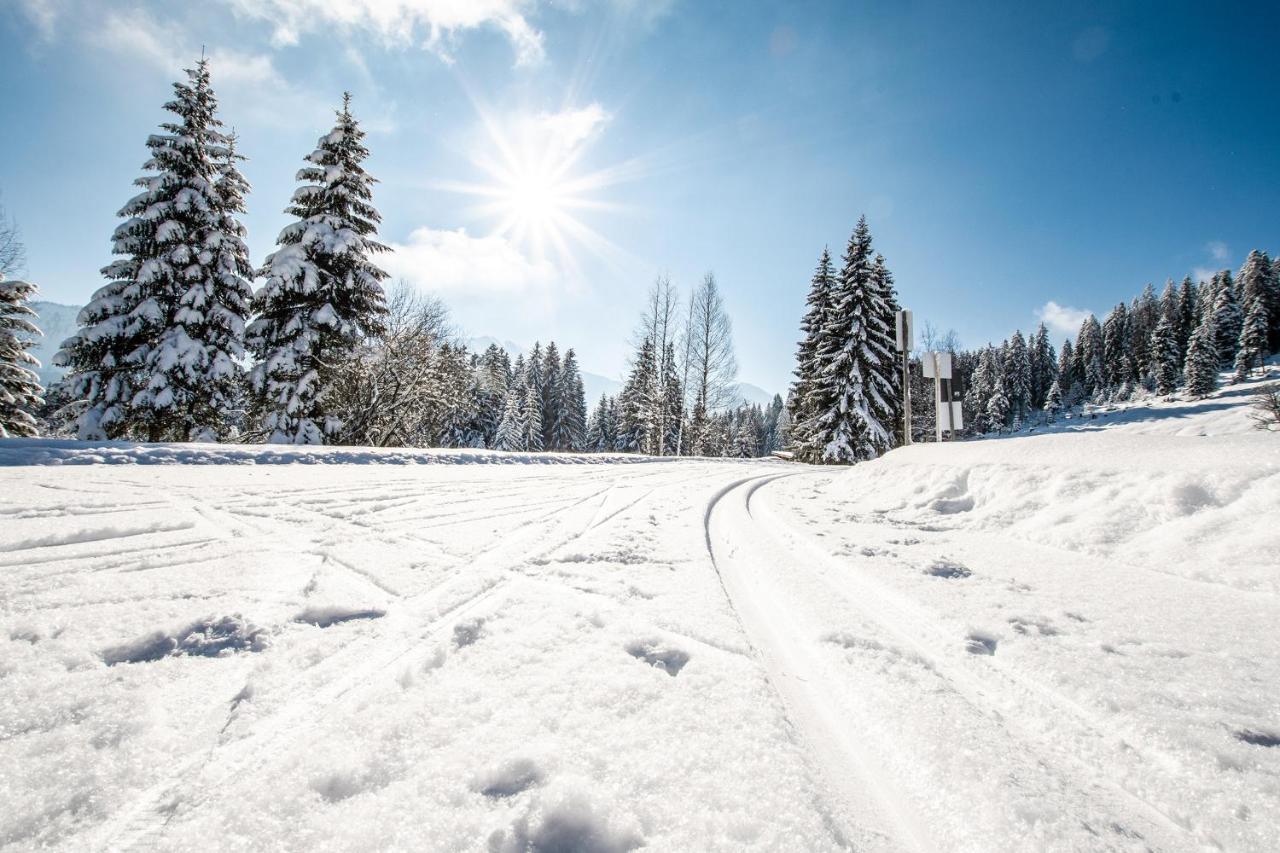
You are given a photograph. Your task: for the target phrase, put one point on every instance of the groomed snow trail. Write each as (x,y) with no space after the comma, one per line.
(868,806)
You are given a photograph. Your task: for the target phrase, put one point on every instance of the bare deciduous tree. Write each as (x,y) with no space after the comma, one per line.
(13,254)
(1266,409)
(658,325)
(384,391)
(710,357)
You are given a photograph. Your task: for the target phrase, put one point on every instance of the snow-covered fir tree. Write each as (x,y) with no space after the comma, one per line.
(1227,316)
(1089,357)
(1256,283)
(672,408)
(1053,400)
(1044,366)
(1188,314)
(997,407)
(20,390)
(1017,382)
(1067,379)
(1252,348)
(572,429)
(852,368)
(1117,360)
(802,397)
(511,430)
(493,373)
(159,345)
(322,293)
(552,400)
(531,407)
(885,381)
(1166,367)
(1201,368)
(637,431)
(1144,313)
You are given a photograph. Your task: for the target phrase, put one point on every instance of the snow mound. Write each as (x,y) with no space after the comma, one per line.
(1190,506)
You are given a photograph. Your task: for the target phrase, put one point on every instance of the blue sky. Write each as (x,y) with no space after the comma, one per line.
(1007,156)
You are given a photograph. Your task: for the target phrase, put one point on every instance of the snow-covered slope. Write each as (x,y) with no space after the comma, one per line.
(1065,641)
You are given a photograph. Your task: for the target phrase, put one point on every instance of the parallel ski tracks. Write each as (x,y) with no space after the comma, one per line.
(490,573)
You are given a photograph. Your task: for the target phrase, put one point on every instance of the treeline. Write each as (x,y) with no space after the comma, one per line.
(1183,339)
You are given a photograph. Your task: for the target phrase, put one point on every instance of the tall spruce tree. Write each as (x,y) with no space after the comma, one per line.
(1227,317)
(1043,364)
(573,421)
(1201,369)
(511,430)
(531,407)
(1252,349)
(886,382)
(552,400)
(158,350)
(1188,314)
(1067,379)
(20,390)
(1017,381)
(1166,366)
(637,432)
(1254,283)
(1117,360)
(851,367)
(672,409)
(801,400)
(323,292)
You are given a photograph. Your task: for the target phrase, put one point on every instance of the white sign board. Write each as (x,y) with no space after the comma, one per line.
(937,365)
(906,338)
(957,417)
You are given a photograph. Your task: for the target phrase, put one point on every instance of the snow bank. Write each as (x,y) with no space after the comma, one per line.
(1195,507)
(50,451)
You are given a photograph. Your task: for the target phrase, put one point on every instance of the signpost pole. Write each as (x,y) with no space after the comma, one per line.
(937,394)
(904,344)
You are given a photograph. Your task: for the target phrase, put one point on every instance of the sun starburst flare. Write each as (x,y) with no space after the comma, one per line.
(533,190)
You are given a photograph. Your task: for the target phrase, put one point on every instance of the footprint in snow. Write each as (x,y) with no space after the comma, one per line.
(1258,737)
(947,569)
(509,779)
(466,633)
(657,654)
(980,643)
(207,637)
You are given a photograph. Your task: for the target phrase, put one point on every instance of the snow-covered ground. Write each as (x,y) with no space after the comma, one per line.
(1065,641)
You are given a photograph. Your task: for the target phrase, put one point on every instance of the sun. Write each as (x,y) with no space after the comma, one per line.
(534,191)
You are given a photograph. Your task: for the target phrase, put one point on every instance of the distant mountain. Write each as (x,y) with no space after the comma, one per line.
(754,394)
(58,322)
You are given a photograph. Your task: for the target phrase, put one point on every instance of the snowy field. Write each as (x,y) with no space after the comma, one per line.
(1067,641)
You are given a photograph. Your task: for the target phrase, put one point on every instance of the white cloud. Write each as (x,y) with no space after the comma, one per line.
(399,22)
(1217,249)
(1203,274)
(164,46)
(571,127)
(1061,318)
(43,15)
(456,263)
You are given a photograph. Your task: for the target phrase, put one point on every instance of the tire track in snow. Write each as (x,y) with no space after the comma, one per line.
(868,803)
(913,629)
